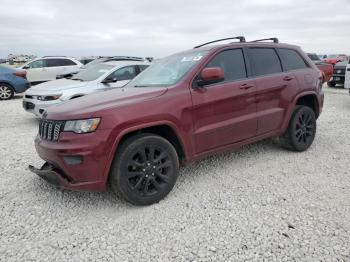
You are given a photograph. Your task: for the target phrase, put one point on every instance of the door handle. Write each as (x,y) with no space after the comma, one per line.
(287,78)
(245,86)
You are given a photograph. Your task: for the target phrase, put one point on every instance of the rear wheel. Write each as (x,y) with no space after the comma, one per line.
(6,92)
(145,169)
(301,130)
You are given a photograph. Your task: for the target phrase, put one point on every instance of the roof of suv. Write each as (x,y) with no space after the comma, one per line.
(125,63)
(243,42)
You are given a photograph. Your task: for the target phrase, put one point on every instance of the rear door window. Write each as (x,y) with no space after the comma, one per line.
(264,61)
(52,62)
(68,62)
(232,62)
(291,59)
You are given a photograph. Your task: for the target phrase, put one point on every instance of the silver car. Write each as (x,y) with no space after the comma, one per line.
(97,78)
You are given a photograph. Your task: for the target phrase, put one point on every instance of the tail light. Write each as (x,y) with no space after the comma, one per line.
(22,74)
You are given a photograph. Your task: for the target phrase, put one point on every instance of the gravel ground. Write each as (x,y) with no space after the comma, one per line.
(259,203)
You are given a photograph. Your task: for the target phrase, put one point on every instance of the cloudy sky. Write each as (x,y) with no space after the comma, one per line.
(161,27)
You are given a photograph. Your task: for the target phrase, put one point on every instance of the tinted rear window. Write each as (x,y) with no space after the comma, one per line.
(291,59)
(232,62)
(264,61)
(52,62)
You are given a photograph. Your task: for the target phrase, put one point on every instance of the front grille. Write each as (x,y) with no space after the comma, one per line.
(28,96)
(339,71)
(50,129)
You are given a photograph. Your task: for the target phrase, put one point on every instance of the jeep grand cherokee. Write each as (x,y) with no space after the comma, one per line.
(184,107)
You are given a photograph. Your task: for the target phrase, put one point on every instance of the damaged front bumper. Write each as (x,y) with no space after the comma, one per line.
(49,174)
(55,177)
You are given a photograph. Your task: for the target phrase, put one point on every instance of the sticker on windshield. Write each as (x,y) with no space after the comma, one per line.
(192,58)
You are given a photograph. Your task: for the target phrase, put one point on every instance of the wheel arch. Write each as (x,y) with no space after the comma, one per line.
(310,100)
(164,129)
(306,98)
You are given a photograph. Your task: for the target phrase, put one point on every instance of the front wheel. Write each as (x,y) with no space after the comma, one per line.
(145,169)
(6,92)
(301,130)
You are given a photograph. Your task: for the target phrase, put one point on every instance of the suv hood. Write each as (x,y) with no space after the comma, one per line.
(56,86)
(87,106)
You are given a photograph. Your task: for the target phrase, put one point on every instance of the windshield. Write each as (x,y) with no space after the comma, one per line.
(94,62)
(332,56)
(168,71)
(93,72)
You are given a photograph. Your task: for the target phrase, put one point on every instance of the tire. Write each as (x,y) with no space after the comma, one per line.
(331,84)
(6,92)
(301,130)
(140,176)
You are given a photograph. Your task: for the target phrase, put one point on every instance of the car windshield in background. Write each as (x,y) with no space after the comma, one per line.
(313,57)
(332,56)
(94,62)
(93,72)
(167,71)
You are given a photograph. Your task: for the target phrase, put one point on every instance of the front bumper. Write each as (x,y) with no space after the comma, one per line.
(37,107)
(76,161)
(338,79)
(49,174)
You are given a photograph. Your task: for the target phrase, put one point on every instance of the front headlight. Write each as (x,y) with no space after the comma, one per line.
(82,126)
(49,98)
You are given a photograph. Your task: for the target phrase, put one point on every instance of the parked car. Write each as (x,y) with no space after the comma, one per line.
(182,108)
(12,81)
(326,69)
(347,78)
(113,58)
(100,77)
(338,74)
(47,68)
(333,59)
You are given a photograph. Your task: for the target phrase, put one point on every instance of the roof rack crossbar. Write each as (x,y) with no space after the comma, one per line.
(241,39)
(274,39)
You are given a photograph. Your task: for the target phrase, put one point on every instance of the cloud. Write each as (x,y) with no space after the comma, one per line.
(158,28)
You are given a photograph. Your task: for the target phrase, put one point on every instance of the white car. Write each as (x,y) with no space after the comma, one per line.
(47,68)
(347,77)
(99,77)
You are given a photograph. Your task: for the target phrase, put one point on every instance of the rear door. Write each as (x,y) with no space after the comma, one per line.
(225,112)
(273,88)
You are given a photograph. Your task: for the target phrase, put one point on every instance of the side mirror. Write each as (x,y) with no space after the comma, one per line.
(109,80)
(26,67)
(211,75)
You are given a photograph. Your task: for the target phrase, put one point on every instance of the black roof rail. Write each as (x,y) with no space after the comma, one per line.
(55,56)
(132,58)
(241,39)
(274,39)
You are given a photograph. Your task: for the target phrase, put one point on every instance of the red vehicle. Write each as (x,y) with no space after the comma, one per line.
(326,69)
(333,59)
(182,108)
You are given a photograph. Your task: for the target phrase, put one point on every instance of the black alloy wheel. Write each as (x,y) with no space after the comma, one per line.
(145,169)
(301,131)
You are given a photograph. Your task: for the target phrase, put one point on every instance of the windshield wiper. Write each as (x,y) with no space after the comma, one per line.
(78,79)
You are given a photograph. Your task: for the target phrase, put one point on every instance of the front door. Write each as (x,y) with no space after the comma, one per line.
(120,77)
(225,112)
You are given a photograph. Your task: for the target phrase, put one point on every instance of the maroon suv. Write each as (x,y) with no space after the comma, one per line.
(182,108)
